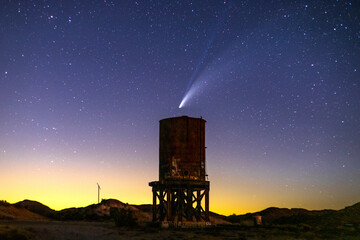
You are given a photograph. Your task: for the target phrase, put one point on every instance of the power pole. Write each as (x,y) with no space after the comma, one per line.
(98,192)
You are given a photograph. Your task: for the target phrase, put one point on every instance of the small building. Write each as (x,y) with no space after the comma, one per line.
(257,220)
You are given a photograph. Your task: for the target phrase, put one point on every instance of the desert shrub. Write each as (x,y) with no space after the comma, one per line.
(123,217)
(304,227)
(4,203)
(234,218)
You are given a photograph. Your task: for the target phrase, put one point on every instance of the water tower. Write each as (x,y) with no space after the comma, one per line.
(182,188)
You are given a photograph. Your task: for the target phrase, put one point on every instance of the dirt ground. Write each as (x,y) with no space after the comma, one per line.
(57,230)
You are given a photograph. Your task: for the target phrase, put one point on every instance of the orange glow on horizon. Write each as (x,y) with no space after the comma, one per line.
(65,185)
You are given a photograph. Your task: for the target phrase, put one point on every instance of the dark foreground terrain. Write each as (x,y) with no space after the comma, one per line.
(60,230)
(31,220)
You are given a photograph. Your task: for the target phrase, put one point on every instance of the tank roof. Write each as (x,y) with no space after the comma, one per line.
(184,116)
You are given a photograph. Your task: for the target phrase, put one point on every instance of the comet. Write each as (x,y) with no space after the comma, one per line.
(184,100)
(182,103)
(186,97)
(196,88)
(194,81)
(195,74)
(213,76)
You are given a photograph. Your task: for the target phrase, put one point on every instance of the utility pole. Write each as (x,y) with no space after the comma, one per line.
(98,192)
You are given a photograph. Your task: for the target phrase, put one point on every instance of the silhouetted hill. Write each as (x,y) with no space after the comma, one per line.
(318,218)
(278,215)
(27,209)
(351,213)
(11,212)
(144,207)
(347,216)
(35,207)
(329,218)
(100,211)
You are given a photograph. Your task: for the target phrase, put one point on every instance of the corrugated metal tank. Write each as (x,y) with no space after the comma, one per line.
(182,148)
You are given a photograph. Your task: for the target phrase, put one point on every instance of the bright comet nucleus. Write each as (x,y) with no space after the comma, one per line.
(190,93)
(182,103)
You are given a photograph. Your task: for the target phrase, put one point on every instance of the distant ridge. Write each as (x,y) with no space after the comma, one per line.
(10,212)
(34,210)
(28,209)
(348,216)
(96,212)
(35,207)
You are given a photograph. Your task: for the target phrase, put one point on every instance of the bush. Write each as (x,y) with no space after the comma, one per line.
(4,203)
(123,217)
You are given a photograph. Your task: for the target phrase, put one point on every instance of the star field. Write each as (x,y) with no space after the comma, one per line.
(83,85)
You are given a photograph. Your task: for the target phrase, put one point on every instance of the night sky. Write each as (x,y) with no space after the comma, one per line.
(83,85)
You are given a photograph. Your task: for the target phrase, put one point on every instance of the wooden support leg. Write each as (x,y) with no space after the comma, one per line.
(189,205)
(154,205)
(168,199)
(181,203)
(161,205)
(198,205)
(207,205)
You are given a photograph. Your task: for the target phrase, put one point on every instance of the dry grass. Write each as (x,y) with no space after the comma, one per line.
(11,212)
(9,232)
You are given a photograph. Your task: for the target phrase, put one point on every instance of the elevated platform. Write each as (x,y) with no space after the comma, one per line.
(180,200)
(180,183)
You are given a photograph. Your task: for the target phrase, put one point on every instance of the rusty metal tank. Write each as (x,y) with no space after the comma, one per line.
(182,149)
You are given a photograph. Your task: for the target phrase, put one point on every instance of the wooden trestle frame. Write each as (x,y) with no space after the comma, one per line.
(180,200)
